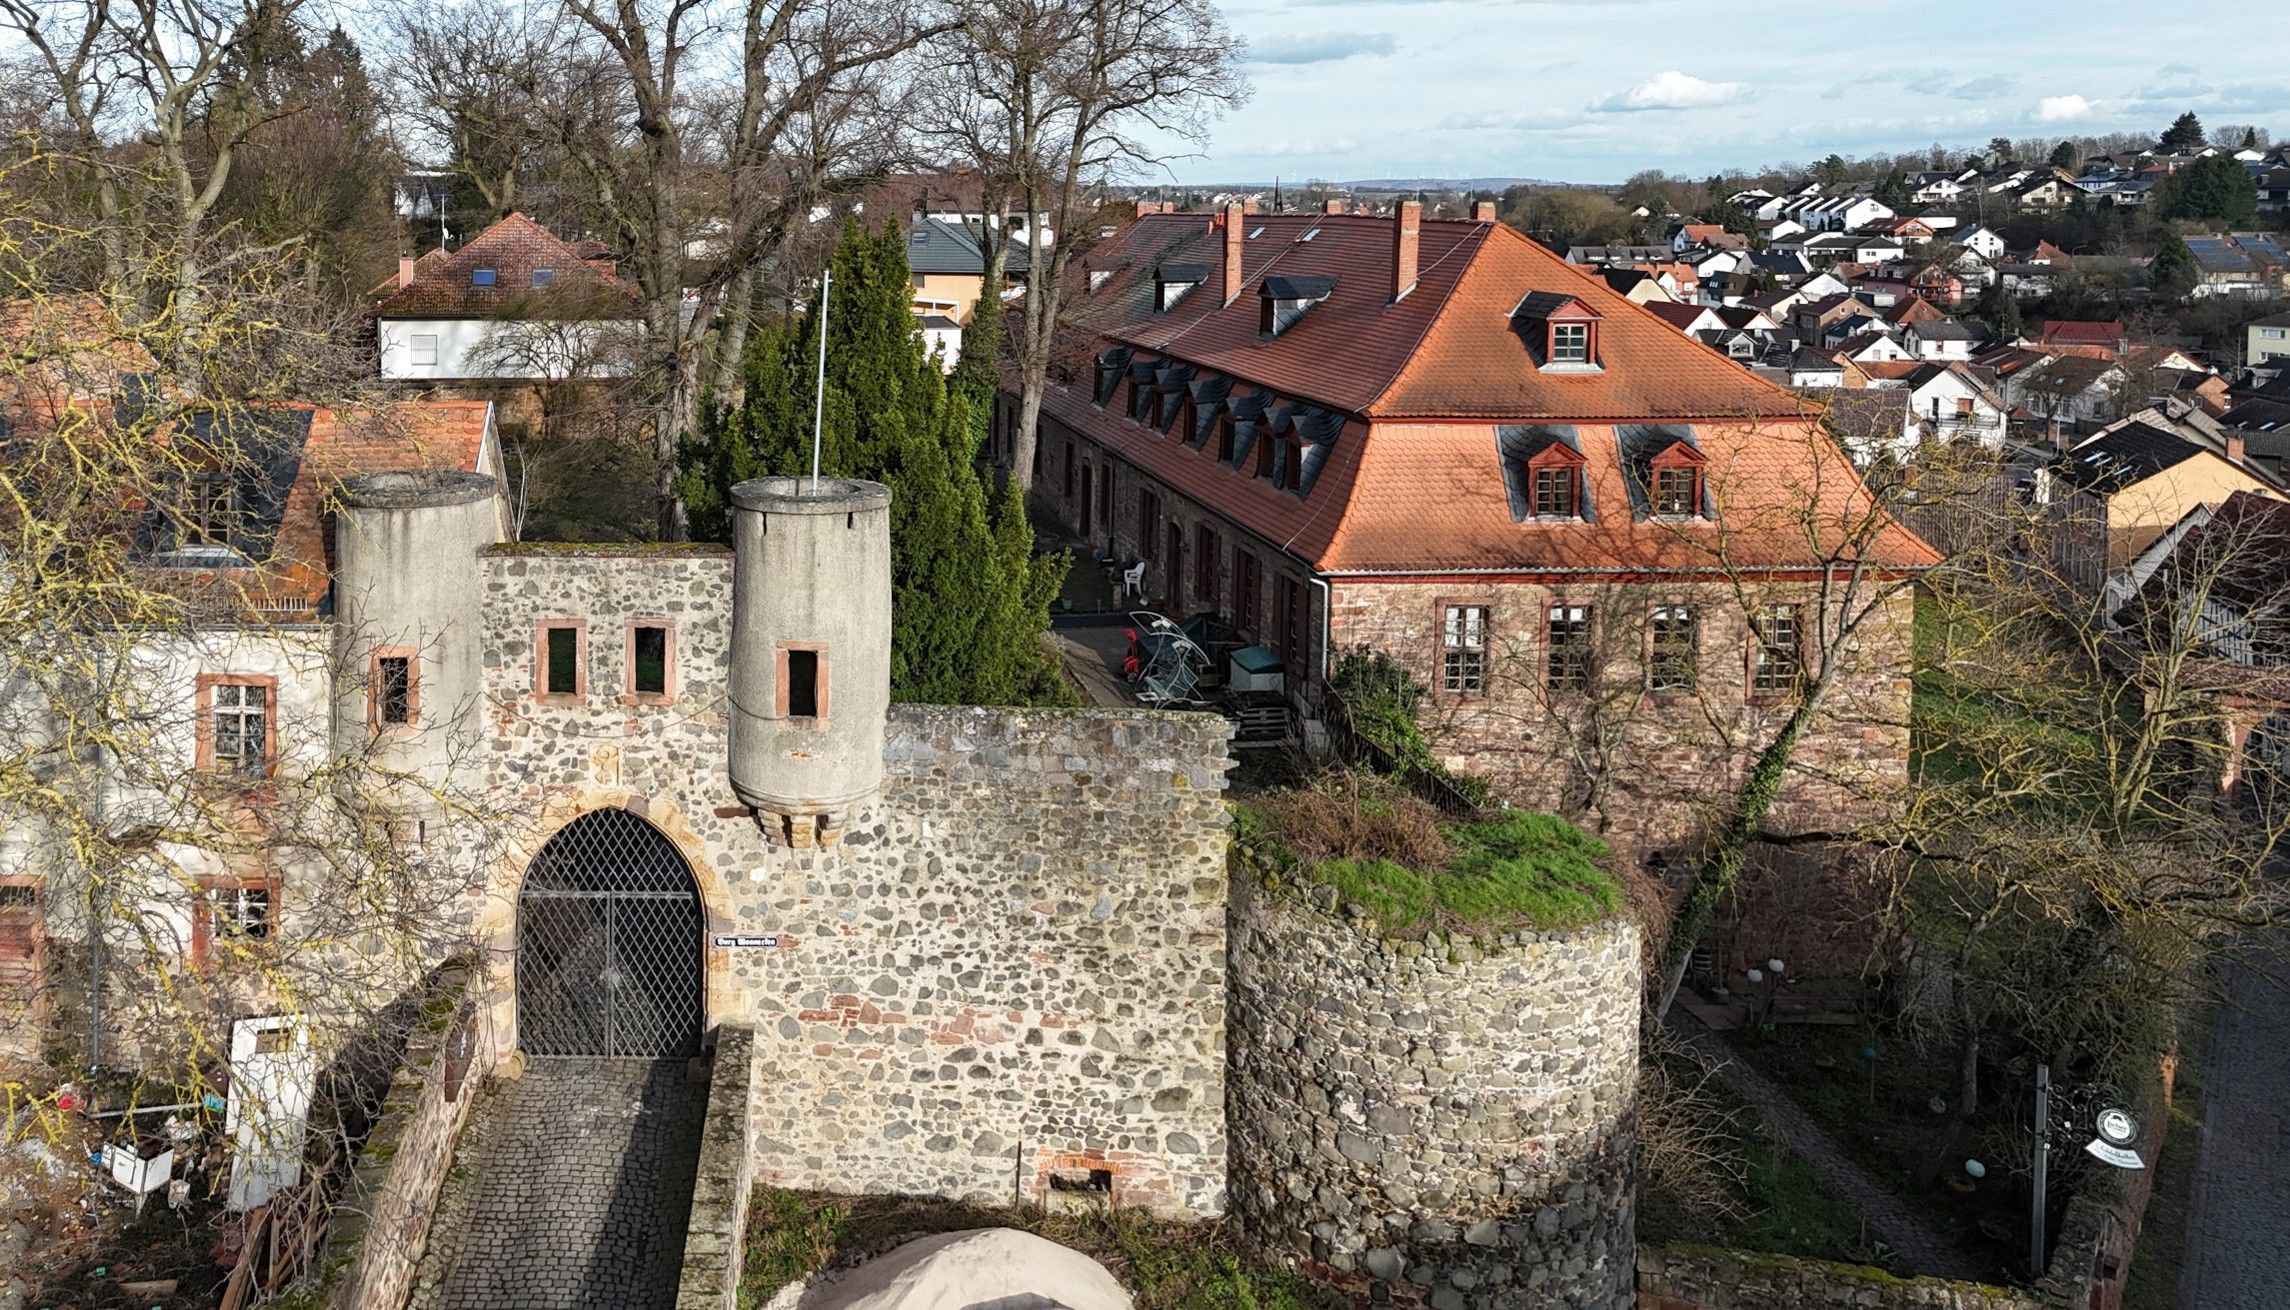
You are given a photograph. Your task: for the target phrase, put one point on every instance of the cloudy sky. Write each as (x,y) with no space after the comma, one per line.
(1594,90)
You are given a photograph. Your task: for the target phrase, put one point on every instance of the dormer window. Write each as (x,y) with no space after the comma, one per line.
(1554,490)
(1543,471)
(1172,281)
(1676,492)
(481,277)
(1665,470)
(1283,300)
(1560,331)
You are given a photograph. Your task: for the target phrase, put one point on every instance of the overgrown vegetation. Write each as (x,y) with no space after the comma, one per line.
(1381,697)
(1165,1264)
(1393,858)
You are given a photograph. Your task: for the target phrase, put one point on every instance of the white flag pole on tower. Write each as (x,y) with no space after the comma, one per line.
(819,409)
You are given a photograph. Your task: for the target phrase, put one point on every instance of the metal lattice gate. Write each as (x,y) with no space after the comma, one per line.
(609,943)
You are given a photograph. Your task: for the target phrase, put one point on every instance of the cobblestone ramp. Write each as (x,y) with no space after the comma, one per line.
(569,1191)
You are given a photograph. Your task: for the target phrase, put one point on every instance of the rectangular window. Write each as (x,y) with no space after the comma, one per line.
(1463,651)
(1148,524)
(1570,343)
(803,684)
(242,911)
(563,671)
(1554,493)
(240,727)
(648,660)
(1674,493)
(544,276)
(1567,666)
(424,347)
(1264,444)
(1225,437)
(393,690)
(1071,463)
(1779,658)
(1674,657)
(209,506)
(1288,612)
(1244,591)
(481,277)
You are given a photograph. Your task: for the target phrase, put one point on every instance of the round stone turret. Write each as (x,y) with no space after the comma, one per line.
(408,659)
(811,651)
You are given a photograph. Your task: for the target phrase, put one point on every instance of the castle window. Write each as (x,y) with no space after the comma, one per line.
(803,684)
(237,732)
(1677,492)
(392,690)
(1674,656)
(1463,651)
(561,672)
(1246,583)
(649,655)
(1778,660)
(1205,565)
(1554,491)
(240,910)
(209,506)
(1567,649)
(1560,331)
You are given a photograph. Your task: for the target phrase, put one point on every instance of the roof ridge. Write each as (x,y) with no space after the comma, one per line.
(1477,242)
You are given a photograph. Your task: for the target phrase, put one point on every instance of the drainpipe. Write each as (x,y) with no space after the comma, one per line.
(1327,623)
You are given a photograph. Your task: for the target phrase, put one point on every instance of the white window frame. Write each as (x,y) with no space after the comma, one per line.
(421,348)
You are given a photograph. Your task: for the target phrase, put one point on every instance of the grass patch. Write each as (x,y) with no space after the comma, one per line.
(1165,1264)
(1410,870)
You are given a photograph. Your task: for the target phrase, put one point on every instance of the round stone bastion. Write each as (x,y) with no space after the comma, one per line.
(1452,1119)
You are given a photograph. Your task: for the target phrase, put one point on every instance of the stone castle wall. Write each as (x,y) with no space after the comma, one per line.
(1451,1121)
(1014,962)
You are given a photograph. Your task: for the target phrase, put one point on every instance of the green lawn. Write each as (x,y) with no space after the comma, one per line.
(1165,1264)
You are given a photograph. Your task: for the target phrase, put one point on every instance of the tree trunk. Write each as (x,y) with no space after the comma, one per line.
(1722,866)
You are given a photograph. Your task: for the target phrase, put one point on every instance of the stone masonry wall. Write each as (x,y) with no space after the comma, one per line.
(1451,1121)
(1662,757)
(1707,1278)
(1018,968)
(380,1223)
(1012,965)
(716,1230)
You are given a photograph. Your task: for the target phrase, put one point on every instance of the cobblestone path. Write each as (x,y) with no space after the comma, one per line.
(1921,1249)
(2238,1222)
(569,1191)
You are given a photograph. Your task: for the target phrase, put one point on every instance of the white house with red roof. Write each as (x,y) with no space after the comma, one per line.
(516,302)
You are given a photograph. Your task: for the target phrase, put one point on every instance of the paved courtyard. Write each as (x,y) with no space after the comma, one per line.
(2238,1227)
(569,1191)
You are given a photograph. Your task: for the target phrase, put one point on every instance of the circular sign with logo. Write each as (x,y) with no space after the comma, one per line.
(2118,1126)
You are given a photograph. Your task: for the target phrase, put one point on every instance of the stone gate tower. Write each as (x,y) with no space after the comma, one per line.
(811,651)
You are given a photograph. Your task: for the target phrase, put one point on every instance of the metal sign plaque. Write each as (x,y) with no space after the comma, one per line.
(735,940)
(2115,1155)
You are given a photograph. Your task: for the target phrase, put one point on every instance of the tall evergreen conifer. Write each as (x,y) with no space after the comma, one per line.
(970,600)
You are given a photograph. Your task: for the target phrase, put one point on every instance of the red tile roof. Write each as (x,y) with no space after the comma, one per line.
(1414,482)
(2074,332)
(413,434)
(579,287)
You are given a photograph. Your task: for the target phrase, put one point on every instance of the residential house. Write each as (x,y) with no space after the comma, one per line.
(1618,254)
(1692,320)
(2118,490)
(516,302)
(1944,340)
(1875,345)
(1906,228)
(947,260)
(1815,369)
(1638,285)
(1439,440)
(1833,247)
(1713,235)
(2068,390)
(1935,283)
(2273,190)
(2239,264)
(1952,402)
(2267,340)
(2109,335)
(2052,189)
(1981,241)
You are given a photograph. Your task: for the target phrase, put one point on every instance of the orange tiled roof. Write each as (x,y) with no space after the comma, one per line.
(513,249)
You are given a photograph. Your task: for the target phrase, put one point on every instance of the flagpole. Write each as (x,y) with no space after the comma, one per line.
(819,410)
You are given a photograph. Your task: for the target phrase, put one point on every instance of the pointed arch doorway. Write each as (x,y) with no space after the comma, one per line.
(610,957)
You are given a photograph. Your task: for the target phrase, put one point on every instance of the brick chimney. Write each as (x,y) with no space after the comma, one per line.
(1482,211)
(1407,238)
(1236,233)
(1331,206)
(2234,447)
(405,270)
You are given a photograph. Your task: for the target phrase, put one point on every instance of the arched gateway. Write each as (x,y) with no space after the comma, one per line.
(609,944)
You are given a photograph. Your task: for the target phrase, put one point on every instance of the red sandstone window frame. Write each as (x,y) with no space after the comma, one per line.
(1763,689)
(780,682)
(203,755)
(629,695)
(1247,586)
(1457,610)
(1556,458)
(1678,458)
(207,909)
(541,693)
(1577,675)
(1663,682)
(375,723)
(1205,553)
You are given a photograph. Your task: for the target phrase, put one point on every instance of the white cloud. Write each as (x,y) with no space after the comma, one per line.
(1994,86)
(1319,47)
(2061,109)
(1672,90)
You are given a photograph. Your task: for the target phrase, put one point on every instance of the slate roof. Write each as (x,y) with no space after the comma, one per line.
(938,245)
(1413,390)
(2123,456)
(514,249)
